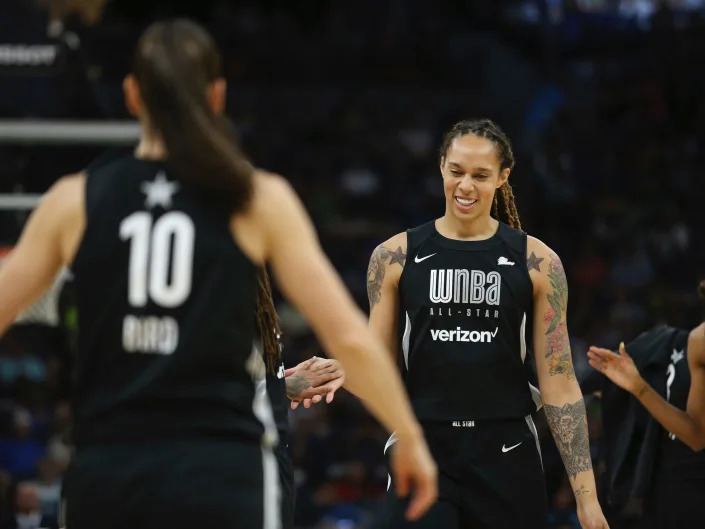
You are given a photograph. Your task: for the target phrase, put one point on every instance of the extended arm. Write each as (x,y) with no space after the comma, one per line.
(688,425)
(48,242)
(308,279)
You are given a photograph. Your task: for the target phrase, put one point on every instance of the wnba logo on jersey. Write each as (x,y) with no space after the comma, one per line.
(465,286)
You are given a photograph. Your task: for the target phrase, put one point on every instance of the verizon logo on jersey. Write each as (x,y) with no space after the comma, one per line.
(465,286)
(460,335)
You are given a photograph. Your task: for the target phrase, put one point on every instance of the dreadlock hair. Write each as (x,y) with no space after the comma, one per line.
(267,321)
(488,129)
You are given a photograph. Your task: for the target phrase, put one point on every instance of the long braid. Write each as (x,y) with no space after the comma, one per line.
(488,129)
(268,321)
(510,208)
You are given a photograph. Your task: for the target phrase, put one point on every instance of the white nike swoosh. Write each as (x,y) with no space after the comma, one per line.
(505,449)
(417,260)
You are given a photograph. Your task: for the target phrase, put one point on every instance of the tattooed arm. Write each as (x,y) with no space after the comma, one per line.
(560,392)
(385,268)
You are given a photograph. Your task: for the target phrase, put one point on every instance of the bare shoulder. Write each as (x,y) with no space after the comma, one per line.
(68,190)
(64,205)
(268,181)
(273,200)
(544,265)
(391,254)
(386,265)
(270,192)
(696,346)
(395,244)
(59,219)
(537,254)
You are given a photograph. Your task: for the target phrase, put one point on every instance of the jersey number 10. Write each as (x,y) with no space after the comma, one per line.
(156,271)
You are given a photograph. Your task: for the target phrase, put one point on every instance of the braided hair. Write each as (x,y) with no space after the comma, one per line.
(488,129)
(268,321)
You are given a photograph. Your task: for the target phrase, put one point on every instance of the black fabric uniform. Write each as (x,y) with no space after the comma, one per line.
(167,429)
(677,497)
(276,389)
(643,459)
(466,313)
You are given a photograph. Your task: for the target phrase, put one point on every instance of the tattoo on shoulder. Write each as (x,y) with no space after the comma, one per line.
(377,269)
(568,425)
(557,349)
(533,262)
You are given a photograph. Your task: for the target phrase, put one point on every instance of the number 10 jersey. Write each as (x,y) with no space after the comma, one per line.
(166,312)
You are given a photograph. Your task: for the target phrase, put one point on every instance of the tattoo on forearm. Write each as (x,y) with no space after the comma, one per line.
(643,390)
(533,262)
(557,348)
(582,491)
(295,385)
(569,428)
(377,268)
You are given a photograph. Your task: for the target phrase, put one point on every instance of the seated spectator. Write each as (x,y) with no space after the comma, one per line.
(26,513)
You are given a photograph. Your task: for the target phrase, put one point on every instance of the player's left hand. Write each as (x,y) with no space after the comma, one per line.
(315,378)
(591,517)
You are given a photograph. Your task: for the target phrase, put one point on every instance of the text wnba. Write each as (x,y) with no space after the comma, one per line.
(460,335)
(465,286)
(150,334)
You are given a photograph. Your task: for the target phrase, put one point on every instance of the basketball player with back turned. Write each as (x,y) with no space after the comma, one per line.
(165,245)
(464,299)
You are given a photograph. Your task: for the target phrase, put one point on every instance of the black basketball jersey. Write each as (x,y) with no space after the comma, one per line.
(276,389)
(466,314)
(166,312)
(675,454)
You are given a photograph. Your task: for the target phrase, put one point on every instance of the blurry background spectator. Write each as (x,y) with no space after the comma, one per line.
(349,101)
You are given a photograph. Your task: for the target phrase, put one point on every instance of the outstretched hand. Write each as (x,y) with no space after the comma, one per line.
(619,368)
(312,380)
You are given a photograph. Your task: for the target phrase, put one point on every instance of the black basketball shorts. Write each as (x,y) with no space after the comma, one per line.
(490,476)
(176,484)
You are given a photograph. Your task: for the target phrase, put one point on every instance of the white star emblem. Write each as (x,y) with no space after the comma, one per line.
(159,191)
(677,356)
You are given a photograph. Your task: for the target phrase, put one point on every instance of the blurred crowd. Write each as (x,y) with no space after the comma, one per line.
(349,100)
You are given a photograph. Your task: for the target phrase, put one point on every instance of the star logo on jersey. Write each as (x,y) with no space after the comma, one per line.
(677,356)
(159,191)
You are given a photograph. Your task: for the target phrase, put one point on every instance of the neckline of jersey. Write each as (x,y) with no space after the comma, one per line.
(468,246)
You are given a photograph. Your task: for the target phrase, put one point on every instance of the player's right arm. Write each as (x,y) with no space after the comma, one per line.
(688,425)
(308,280)
(49,241)
(383,275)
